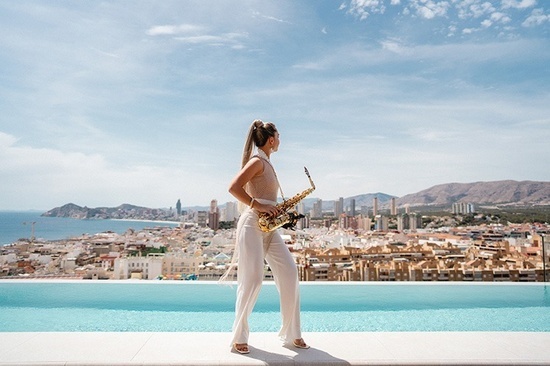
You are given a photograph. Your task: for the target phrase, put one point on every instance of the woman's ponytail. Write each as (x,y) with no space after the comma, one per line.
(250,141)
(258,134)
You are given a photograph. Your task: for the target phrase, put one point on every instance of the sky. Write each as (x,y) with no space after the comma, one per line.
(147,102)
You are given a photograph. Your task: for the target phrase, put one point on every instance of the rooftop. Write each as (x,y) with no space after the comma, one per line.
(371,348)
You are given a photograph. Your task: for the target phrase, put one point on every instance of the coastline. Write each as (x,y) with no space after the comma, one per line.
(16,225)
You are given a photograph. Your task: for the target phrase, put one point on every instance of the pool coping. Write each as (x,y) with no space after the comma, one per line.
(206,348)
(271,282)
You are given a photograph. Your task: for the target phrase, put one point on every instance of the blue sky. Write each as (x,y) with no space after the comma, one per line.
(145,102)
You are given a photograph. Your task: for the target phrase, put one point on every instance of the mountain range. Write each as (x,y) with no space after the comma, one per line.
(504,192)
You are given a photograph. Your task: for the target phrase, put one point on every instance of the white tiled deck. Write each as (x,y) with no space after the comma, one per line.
(372,348)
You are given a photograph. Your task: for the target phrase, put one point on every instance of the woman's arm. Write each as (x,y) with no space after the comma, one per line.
(236,187)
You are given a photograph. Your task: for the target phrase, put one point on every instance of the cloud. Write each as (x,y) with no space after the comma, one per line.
(194,34)
(537,17)
(496,17)
(459,13)
(500,17)
(430,9)
(444,57)
(427,9)
(518,4)
(209,39)
(486,23)
(364,8)
(43,178)
(161,30)
(6,140)
(269,17)
(394,46)
(478,10)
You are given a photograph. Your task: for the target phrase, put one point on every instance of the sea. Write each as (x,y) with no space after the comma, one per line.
(15,225)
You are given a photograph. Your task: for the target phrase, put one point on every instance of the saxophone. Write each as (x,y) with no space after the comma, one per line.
(289,217)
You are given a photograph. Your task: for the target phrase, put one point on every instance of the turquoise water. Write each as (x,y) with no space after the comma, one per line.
(17,225)
(208,307)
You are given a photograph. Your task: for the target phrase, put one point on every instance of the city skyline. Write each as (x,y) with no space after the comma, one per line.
(505,193)
(104,103)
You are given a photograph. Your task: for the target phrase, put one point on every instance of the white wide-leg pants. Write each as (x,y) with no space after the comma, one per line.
(253,246)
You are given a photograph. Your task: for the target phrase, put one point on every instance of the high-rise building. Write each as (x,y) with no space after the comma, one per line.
(317,211)
(202,218)
(214,215)
(375,206)
(300,207)
(409,221)
(403,222)
(364,223)
(178,207)
(343,221)
(393,210)
(415,221)
(339,207)
(352,207)
(231,211)
(381,223)
(463,208)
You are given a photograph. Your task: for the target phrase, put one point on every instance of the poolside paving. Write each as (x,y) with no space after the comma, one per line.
(361,348)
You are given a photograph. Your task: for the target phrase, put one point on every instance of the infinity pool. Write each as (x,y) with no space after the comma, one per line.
(165,306)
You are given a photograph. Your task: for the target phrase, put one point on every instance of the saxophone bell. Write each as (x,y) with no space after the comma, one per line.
(288,218)
(293,218)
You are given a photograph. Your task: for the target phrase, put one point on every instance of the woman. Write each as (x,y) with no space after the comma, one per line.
(256,186)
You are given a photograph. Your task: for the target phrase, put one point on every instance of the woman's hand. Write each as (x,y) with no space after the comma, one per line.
(269,209)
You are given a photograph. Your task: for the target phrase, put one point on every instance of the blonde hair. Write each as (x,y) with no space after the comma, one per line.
(258,134)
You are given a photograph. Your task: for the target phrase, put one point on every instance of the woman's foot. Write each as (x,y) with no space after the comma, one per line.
(241,348)
(300,343)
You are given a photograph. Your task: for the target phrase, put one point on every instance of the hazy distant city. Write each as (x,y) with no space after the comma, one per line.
(346,243)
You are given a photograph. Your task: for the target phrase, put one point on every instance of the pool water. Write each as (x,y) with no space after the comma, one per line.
(128,306)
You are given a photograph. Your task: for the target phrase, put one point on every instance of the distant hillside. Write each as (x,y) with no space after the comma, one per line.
(498,192)
(69,210)
(124,211)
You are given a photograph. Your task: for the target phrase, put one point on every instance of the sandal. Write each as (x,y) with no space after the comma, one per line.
(300,343)
(241,348)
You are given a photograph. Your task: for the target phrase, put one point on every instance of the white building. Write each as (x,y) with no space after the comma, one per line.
(8,258)
(463,208)
(231,211)
(147,268)
(181,264)
(68,264)
(43,259)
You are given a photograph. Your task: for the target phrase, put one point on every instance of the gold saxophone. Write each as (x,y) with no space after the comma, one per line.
(289,217)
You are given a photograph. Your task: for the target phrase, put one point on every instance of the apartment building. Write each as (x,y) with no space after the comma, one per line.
(138,267)
(180,265)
